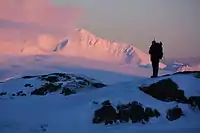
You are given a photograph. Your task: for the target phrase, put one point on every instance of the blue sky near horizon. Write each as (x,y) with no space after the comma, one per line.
(175,22)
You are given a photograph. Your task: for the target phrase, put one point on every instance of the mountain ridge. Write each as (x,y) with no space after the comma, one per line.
(82,43)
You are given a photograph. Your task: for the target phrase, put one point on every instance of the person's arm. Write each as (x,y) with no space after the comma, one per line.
(161,52)
(150,50)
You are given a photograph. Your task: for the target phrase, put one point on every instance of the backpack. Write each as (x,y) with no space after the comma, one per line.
(156,50)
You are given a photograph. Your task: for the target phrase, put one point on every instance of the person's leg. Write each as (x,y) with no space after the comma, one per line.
(156,68)
(155,65)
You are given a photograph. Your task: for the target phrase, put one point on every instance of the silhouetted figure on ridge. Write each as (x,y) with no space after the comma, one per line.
(156,53)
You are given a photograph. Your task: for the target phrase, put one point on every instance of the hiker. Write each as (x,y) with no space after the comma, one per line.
(156,53)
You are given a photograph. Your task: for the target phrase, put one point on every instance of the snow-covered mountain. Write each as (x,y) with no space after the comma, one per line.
(180,67)
(72,87)
(183,64)
(28,107)
(189,68)
(82,43)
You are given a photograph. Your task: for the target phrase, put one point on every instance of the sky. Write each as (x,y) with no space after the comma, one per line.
(33,17)
(174,22)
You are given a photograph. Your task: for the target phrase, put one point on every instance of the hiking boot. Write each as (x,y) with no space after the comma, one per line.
(154,76)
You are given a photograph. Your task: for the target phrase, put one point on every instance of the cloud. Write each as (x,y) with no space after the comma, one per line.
(36,16)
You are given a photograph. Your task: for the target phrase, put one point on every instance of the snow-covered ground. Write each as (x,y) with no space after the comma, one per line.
(56,113)
(16,66)
(123,68)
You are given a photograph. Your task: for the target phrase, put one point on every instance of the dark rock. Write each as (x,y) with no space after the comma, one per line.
(197,75)
(174,113)
(165,90)
(55,77)
(194,101)
(94,102)
(98,85)
(105,103)
(60,84)
(152,113)
(19,93)
(67,91)
(106,114)
(23,94)
(73,85)
(51,79)
(39,92)
(44,75)
(64,75)
(28,85)
(29,77)
(156,113)
(123,114)
(84,82)
(135,112)
(3,93)
(44,127)
(149,112)
(47,88)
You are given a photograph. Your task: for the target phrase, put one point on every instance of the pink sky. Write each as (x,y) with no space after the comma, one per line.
(176,23)
(36,16)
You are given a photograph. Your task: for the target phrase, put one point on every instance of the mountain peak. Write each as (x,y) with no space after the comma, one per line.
(83,31)
(83,44)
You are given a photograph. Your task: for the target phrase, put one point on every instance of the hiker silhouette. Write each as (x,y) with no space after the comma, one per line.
(156,54)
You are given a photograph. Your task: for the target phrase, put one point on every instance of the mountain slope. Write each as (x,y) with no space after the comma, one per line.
(181,67)
(16,66)
(189,68)
(83,44)
(56,113)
